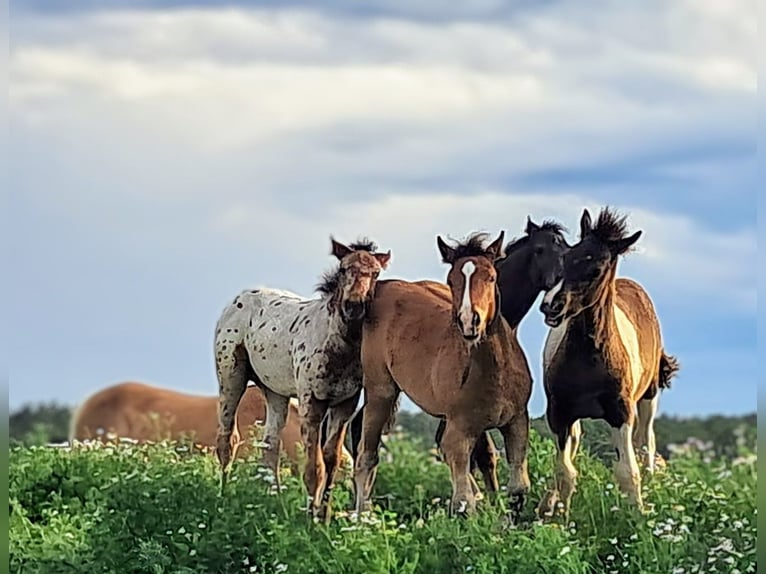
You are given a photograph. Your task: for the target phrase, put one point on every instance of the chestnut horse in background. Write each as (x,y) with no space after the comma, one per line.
(448,348)
(603,358)
(147,413)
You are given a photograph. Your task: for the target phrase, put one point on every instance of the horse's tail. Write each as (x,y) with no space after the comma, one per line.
(669,367)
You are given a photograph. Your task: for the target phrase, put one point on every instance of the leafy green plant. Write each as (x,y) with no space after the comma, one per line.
(157,509)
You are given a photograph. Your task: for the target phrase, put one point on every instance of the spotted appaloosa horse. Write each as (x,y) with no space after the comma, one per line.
(309,348)
(448,348)
(603,357)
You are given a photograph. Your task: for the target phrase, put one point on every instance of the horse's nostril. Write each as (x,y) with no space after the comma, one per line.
(476,320)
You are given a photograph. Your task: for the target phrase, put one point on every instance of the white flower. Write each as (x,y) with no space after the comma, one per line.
(280,567)
(565,551)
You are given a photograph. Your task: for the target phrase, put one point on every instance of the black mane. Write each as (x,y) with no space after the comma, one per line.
(547,225)
(330,278)
(364,244)
(472,247)
(553,226)
(610,226)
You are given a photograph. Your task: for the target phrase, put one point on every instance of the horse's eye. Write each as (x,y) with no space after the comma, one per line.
(538,250)
(589,258)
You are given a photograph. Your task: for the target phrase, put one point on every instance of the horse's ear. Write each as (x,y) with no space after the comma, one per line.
(340,250)
(585,223)
(531,226)
(495,249)
(622,245)
(383,258)
(447,252)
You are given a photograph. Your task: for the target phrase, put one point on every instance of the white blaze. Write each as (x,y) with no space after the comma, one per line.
(466,308)
(548,298)
(629,339)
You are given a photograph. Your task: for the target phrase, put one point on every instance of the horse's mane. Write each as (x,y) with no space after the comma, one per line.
(547,225)
(610,226)
(330,278)
(473,246)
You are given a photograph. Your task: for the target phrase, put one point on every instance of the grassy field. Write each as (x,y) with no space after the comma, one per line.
(156,509)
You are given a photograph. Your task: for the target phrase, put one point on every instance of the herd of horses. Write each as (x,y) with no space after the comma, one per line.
(452,348)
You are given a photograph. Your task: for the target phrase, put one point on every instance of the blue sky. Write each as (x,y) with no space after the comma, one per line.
(165,156)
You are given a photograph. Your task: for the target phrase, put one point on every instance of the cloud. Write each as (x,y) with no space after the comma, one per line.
(676,257)
(176,155)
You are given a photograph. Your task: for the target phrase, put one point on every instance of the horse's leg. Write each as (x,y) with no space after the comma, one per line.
(626,469)
(312,411)
(276,417)
(557,500)
(332,451)
(232,369)
(647,410)
(457,443)
(516,438)
(377,411)
(485,456)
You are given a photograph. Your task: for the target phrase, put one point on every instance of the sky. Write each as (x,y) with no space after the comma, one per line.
(165,156)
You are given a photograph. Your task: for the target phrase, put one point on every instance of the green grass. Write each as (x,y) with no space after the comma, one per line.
(156,509)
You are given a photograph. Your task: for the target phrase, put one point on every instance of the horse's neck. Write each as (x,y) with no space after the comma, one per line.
(521,292)
(342,332)
(598,320)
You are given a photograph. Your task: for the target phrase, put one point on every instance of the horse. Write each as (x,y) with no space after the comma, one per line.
(448,348)
(290,346)
(603,357)
(530,265)
(148,413)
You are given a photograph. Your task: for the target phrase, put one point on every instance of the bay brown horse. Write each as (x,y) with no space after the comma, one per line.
(531,264)
(448,348)
(149,413)
(603,357)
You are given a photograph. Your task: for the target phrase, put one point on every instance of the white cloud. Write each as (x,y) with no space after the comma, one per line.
(676,256)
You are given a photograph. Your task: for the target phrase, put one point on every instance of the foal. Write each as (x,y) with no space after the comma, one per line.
(309,348)
(532,263)
(452,353)
(603,357)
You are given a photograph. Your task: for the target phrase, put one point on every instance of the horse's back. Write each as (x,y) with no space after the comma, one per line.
(144,412)
(103,411)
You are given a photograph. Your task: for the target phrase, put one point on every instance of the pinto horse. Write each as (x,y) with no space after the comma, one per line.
(603,357)
(290,346)
(531,264)
(448,348)
(148,413)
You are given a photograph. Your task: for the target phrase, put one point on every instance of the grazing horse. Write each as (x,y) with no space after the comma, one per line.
(448,348)
(290,346)
(531,264)
(603,357)
(148,413)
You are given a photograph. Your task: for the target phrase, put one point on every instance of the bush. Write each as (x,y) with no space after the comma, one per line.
(156,509)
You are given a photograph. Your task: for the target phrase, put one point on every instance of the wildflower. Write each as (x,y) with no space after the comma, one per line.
(565,551)
(192,552)
(610,558)
(613,541)
(280,567)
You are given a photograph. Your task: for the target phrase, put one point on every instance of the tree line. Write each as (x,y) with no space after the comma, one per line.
(721,435)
